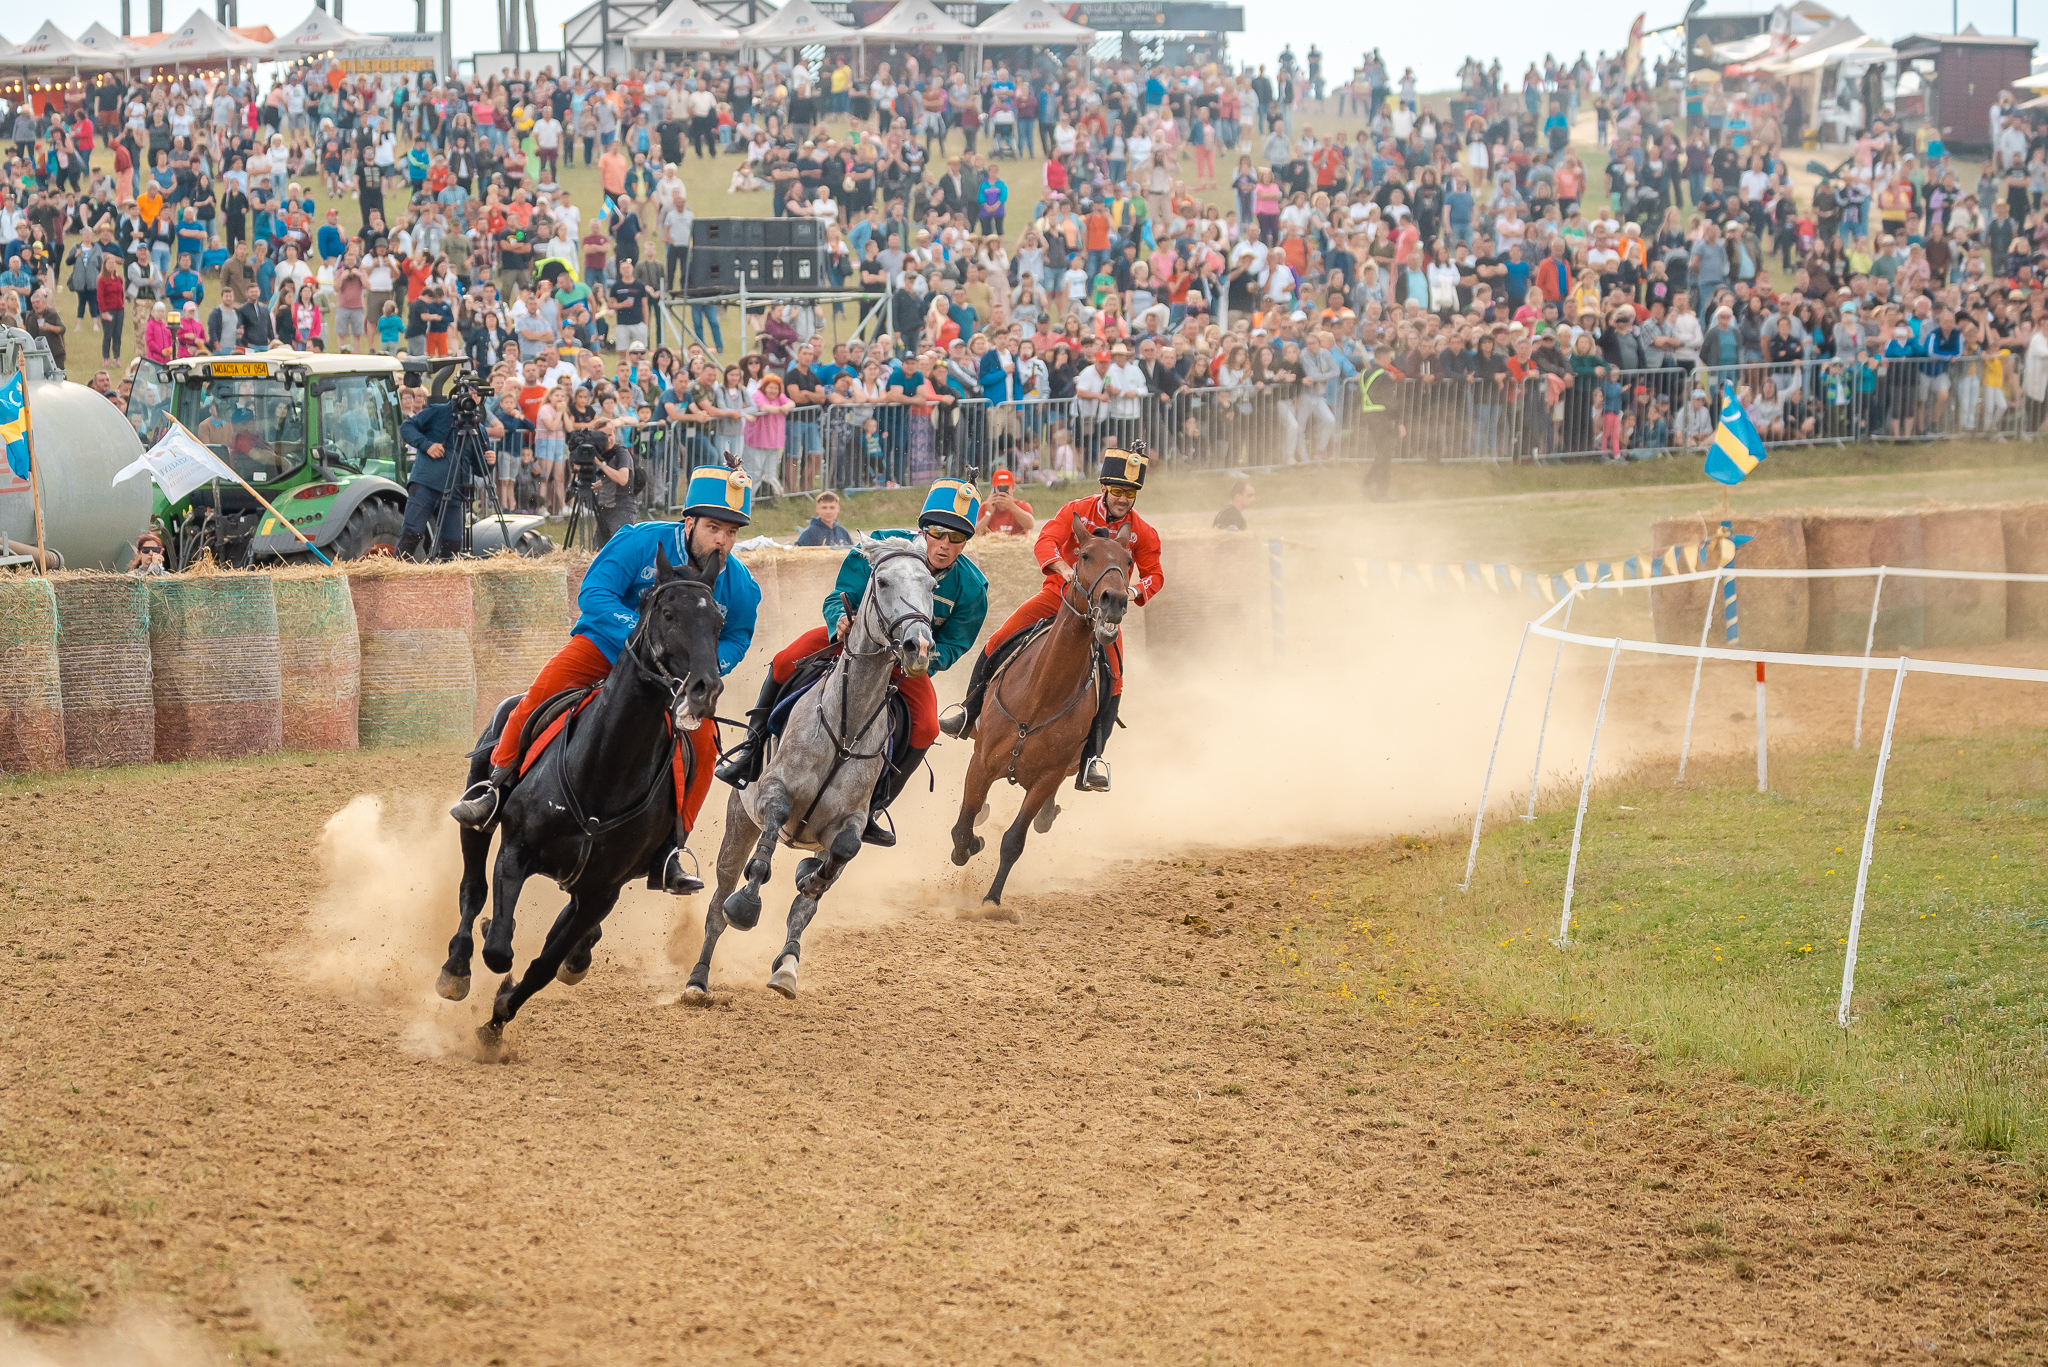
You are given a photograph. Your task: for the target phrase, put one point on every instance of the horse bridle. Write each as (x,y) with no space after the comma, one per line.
(886,629)
(1088,595)
(642,657)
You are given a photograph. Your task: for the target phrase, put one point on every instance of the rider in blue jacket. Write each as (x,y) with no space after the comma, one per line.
(720,502)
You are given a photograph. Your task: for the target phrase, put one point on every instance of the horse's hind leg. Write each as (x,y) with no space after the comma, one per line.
(1013,839)
(740,834)
(577,965)
(814,878)
(506,881)
(743,908)
(454,980)
(578,919)
(973,799)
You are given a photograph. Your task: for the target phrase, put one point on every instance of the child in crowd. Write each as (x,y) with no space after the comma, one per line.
(1613,403)
(390,329)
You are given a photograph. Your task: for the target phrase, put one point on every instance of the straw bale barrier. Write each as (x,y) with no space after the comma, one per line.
(575,564)
(1839,619)
(103,660)
(31,712)
(2026,552)
(1772,613)
(419,669)
(214,665)
(518,628)
(319,659)
(1964,612)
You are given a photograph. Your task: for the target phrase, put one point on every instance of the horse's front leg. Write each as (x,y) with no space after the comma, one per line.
(577,966)
(973,799)
(1039,794)
(506,881)
(740,833)
(586,909)
(743,908)
(469,896)
(814,878)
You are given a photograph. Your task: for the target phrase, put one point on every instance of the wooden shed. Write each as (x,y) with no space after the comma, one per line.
(1969,69)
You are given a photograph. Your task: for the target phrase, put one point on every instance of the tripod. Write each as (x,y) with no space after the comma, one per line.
(477,465)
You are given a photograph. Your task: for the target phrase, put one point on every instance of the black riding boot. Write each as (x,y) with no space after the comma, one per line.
(885,793)
(960,718)
(479,806)
(1094,774)
(741,765)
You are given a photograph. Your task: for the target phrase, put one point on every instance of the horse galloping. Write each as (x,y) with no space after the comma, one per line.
(1045,697)
(622,742)
(815,792)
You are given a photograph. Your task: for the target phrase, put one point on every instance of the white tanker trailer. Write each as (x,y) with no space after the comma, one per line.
(81,441)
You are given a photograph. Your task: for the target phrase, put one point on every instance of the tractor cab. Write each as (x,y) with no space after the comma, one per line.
(316,434)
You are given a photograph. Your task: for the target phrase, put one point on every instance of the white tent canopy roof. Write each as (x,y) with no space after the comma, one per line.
(111,45)
(1839,40)
(1031,21)
(319,31)
(920,20)
(202,38)
(48,47)
(797,24)
(685,27)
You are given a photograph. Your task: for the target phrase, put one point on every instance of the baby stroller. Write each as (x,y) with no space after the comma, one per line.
(1003,134)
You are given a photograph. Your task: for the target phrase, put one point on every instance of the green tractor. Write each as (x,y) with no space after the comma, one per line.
(316,434)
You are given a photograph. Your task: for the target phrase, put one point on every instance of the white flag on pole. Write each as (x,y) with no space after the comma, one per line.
(179,464)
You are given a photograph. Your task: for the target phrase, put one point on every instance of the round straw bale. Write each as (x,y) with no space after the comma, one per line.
(103,655)
(1839,619)
(1771,613)
(2026,552)
(214,661)
(419,673)
(1963,612)
(319,659)
(518,628)
(31,710)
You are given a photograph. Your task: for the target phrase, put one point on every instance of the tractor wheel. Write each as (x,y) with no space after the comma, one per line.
(372,530)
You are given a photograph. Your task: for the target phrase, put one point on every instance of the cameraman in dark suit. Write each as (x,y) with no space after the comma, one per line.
(438,485)
(606,464)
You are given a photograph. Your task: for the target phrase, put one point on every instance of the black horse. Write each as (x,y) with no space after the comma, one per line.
(615,755)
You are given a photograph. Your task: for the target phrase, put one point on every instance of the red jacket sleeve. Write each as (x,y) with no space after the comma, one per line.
(1151,578)
(1055,538)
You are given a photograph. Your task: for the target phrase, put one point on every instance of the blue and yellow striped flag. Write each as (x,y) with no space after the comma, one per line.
(1736,449)
(14,423)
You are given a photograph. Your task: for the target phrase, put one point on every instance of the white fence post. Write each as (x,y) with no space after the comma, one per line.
(1884,755)
(1543,729)
(1763,736)
(1571,873)
(1699,662)
(1478,817)
(1869,640)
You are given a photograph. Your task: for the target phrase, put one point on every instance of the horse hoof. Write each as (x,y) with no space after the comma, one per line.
(498,962)
(570,978)
(490,1042)
(783,979)
(981,816)
(694,995)
(743,908)
(1047,814)
(452,987)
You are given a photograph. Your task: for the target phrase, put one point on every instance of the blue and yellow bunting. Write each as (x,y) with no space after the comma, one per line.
(14,423)
(1502,578)
(1736,448)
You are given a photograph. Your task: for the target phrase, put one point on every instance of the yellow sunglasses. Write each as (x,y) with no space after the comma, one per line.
(939,534)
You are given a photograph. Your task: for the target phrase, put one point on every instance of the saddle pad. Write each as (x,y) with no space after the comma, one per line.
(555,714)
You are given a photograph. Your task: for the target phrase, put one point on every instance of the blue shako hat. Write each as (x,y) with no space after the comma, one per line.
(716,491)
(953,504)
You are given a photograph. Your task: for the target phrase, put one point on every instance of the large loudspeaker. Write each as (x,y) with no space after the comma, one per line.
(768,253)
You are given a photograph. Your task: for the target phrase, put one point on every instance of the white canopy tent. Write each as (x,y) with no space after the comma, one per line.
(918,21)
(318,32)
(685,27)
(799,23)
(118,50)
(48,49)
(1839,41)
(202,38)
(1030,21)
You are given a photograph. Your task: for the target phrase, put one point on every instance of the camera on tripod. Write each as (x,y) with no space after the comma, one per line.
(586,449)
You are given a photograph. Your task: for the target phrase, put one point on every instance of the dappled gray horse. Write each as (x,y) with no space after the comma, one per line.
(816,789)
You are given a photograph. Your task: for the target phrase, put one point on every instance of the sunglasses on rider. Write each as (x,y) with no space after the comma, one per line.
(953,538)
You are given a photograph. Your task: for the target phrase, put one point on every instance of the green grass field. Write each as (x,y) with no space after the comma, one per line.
(1709,928)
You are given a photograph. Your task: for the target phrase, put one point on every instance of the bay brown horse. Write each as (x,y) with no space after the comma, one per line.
(1042,703)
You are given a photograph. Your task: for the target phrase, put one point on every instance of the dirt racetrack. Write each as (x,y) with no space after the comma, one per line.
(234,1115)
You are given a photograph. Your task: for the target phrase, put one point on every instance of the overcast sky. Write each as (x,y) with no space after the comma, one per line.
(1433,39)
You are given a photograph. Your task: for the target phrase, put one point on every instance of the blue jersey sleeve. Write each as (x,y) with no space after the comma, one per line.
(740,595)
(854,573)
(609,600)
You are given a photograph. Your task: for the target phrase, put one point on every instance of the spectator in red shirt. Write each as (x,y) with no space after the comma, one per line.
(1004,511)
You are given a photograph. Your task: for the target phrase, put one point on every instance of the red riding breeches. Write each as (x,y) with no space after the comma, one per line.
(579,664)
(1043,606)
(918,692)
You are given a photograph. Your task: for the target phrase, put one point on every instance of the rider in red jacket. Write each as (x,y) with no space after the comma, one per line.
(1113,510)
